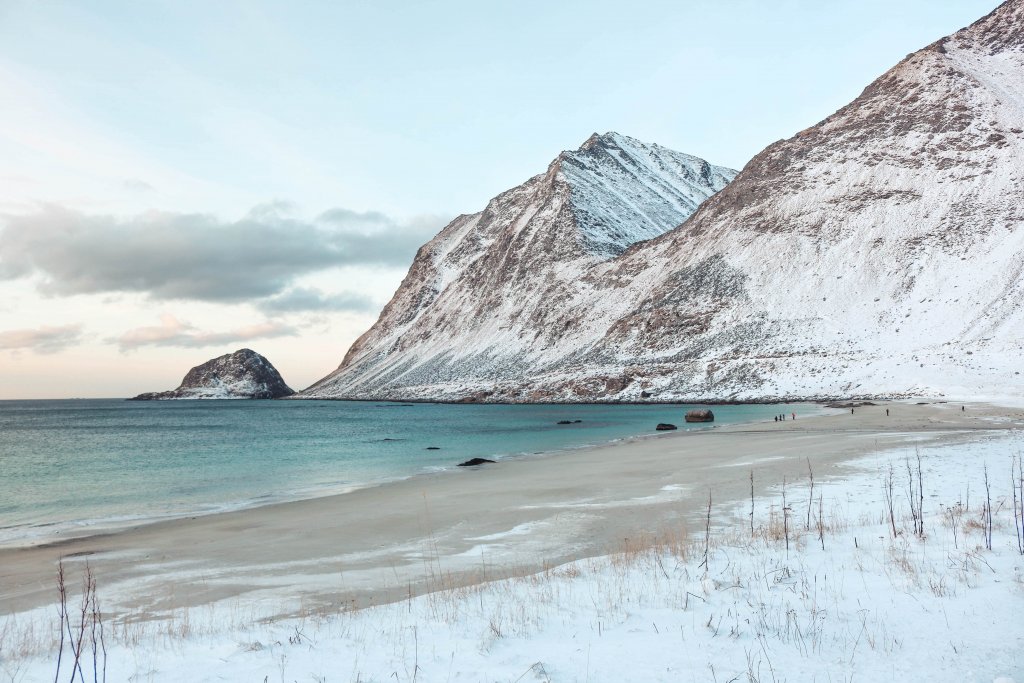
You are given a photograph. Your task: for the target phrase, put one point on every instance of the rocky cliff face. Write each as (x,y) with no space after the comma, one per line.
(877,253)
(479,296)
(242,374)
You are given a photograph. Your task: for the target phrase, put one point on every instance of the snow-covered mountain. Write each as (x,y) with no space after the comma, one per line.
(877,253)
(242,374)
(479,296)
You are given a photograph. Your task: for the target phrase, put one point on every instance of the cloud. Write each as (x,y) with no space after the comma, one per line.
(174,332)
(137,185)
(304,299)
(44,339)
(197,256)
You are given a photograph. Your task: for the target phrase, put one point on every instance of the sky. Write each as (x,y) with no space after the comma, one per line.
(182,179)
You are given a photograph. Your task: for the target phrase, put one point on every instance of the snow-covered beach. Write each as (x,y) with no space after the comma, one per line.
(584,566)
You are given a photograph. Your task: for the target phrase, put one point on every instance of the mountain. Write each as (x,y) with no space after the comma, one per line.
(478,295)
(242,374)
(877,253)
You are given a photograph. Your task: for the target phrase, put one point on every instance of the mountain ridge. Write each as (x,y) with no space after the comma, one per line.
(876,253)
(535,238)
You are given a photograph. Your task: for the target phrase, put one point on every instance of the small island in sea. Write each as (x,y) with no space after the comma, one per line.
(242,374)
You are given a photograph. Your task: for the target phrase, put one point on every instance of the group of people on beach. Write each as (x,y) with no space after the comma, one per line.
(781,417)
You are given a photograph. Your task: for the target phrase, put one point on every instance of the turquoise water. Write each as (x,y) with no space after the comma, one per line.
(97,464)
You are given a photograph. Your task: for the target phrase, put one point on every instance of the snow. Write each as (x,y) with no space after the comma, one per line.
(878,253)
(868,607)
(590,205)
(624,191)
(217,388)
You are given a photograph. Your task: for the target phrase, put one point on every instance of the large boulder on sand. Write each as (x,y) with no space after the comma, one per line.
(700,416)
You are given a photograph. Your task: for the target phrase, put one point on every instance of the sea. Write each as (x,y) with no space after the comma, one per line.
(77,467)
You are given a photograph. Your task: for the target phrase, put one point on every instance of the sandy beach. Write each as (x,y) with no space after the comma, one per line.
(469,525)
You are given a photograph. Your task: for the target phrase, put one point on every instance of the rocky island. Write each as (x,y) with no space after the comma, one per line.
(242,374)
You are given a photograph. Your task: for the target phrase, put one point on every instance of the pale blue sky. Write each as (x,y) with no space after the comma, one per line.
(412,111)
(433,107)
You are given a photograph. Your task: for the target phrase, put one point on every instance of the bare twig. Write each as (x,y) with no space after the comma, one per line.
(915,516)
(751,503)
(810,499)
(1017,485)
(988,511)
(79,641)
(920,494)
(707,535)
(62,613)
(88,625)
(887,488)
(821,520)
(785,515)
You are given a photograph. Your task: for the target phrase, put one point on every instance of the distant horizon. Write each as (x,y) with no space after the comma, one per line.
(174,189)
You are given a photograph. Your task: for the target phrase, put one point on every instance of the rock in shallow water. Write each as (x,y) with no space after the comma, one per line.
(473,462)
(700,416)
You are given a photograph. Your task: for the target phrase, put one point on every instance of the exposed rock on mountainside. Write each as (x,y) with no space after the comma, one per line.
(878,253)
(242,374)
(478,296)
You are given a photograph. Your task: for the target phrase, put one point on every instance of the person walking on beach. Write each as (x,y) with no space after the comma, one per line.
(887,412)
(794,415)
(776,418)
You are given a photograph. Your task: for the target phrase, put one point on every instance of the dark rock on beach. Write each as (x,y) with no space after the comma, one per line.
(242,374)
(700,416)
(473,462)
(665,427)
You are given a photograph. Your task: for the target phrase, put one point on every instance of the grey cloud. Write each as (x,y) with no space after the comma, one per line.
(347,218)
(304,299)
(174,332)
(196,256)
(44,339)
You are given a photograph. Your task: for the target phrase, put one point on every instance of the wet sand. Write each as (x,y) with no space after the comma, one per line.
(386,542)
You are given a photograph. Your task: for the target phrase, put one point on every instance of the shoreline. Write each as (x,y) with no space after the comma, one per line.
(385,542)
(63,531)
(699,401)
